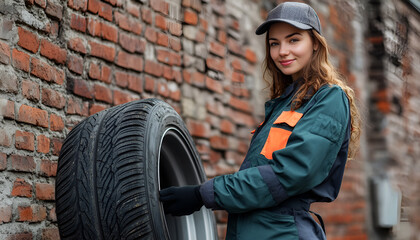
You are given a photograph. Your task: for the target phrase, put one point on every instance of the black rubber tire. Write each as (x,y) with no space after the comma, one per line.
(111,168)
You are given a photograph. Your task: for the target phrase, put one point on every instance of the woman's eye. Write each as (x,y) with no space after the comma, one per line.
(273,44)
(293,40)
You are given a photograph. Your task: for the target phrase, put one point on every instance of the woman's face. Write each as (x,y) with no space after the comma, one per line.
(291,48)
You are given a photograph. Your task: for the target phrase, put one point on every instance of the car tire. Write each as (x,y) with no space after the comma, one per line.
(111,168)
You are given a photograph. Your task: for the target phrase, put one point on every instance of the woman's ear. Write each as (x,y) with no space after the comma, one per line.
(316,45)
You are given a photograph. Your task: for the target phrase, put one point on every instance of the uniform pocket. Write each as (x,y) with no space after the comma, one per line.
(327,127)
(278,136)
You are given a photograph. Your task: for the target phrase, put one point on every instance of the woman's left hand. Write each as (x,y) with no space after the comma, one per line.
(180,201)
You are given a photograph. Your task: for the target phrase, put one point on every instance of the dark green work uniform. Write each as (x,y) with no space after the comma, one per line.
(295,158)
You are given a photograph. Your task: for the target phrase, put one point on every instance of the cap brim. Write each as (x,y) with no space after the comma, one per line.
(266,25)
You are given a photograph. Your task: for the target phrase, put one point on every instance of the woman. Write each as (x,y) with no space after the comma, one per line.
(298,154)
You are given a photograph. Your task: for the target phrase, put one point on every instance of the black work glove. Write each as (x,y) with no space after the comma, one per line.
(180,201)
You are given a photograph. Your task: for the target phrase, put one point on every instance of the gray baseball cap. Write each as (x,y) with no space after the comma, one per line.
(300,15)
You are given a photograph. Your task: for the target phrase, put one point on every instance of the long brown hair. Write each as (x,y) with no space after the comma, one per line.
(317,73)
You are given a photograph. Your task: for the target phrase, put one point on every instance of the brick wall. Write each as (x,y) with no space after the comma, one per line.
(63,60)
(394,98)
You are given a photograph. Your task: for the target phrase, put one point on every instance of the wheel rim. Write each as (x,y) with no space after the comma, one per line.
(178,167)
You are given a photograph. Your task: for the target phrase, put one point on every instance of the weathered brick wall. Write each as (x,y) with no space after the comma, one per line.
(63,60)
(395,95)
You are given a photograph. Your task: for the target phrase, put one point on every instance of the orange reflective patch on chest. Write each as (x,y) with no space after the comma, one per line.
(289,117)
(277,140)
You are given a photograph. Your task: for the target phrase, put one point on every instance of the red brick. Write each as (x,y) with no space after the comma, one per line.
(54,10)
(3,161)
(175,94)
(45,191)
(33,213)
(78,5)
(77,44)
(52,216)
(238,77)
(75,64)
(215,157)
(175,44)
(153,68)
(122,21)
(20,236)
(102,51)
(81,88)
(167,72)
(151,34)
(5,214)
(20,60)
(133,9)
(162,39)
(41,3)
(234,46)
(127,42)
(175,59)
(190,17)
(140,45)
(94,27)
(216,64)
(43,144)
(250,55)
(30,90)
(175,28)
(122,97)
(78,22)
(93,6)
(42,70)
(160,22)
(177,75)
(214,85)
(28,40)
(160,6)
(53,98)
(56,146)
(241,118)
(240,104)
(56,123)
(163,56)
(33,116)
(135,83)
(48,168)
(109,32)
(50,234)
(233,23)
(227,126)
(162,89)
(130,61)
(217,49)
(94,108)
(222,36)
(103,93)
(236,64)
(198,128)
(216,108)
(22,163)
(53,52)
(121,79)
(200,36)
(94,71)
(76,106)
(4,53)
(5,138)
(7,109)
(149,84)
(204,24)
(105,74)
(198,79)
(105,11)
(146,15)
(21,188)
(24,140)
(243,147)
(219,142)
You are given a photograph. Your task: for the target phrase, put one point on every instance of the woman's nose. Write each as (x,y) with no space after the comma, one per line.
(283,50)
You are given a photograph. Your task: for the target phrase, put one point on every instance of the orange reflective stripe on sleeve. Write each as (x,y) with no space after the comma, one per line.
(277,140)
(289,117)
